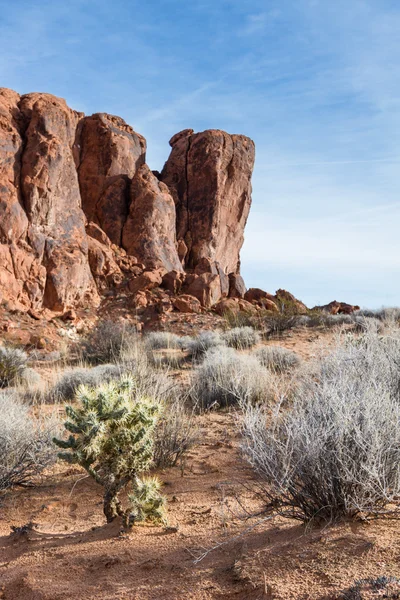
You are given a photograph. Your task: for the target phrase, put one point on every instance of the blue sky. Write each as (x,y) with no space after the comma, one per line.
(315,83)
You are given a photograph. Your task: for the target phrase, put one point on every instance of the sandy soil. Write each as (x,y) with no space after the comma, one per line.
(71,554)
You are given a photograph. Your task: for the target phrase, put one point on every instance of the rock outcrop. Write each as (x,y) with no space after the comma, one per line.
(81,212)
(209,175)
(44,225)
(149,231)
(110,153)
(337,308)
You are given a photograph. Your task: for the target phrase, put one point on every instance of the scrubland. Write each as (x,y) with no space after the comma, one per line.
(250,462)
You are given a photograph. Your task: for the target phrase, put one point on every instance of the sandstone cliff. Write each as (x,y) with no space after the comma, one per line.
(81,212)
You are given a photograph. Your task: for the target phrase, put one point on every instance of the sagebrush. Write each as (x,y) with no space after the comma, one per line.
(26,448)
(336,452)
(241,338)
(277,359)
(13,362)
(226,378)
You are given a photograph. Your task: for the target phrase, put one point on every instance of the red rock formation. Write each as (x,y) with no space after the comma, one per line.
(44,226)
(289,303)
(187,304)
(209,176)
(149,231)
(81,212)
(110,154)
(337,308)
(13,221)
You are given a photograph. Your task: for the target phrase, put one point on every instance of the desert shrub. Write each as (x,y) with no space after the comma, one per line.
(336,452)
(368,360)
(148,381)
(276,324)
(391,314)
(112,436)
(365,589)
(337,320)
(167,360)
(277,359)
(322,319)
(160,340)
(226,378)
(107,341)
(176,434)
(13,361)
(240,318)
(367,323)
(29,377)
(25,442)
(383,314)
(65,388)
(205,340)
(241,337)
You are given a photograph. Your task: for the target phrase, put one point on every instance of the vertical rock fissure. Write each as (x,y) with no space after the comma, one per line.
(188,235)
(22,128)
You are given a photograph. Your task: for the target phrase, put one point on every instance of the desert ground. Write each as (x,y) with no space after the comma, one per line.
(218,543)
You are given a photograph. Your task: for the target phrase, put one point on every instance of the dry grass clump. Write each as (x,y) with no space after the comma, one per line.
(162,340)
(107,341)
(277,359)
(25,442)
(241,338)
(367,323)
(198,346)
(383,314)
(167,359)
(65,388)
(175,435)
(13,362)
(227,378)
(336,452)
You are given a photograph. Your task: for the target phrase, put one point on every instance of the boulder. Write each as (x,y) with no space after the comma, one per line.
(173,281)
(226,305)
(147,281)
(209,176)
(187,304)
(337,308)
(206,288)
(257,295)
(149,231)
(105,270)
(237,288)
(98,234)
(140,300)
(248,307)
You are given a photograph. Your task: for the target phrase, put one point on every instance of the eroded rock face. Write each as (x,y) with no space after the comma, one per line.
(43,224)
(149,232)
(13,221)
(81,212)
(52,200)
(110,153)
(209,176)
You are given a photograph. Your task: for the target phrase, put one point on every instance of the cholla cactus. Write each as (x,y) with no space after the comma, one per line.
(111,437)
